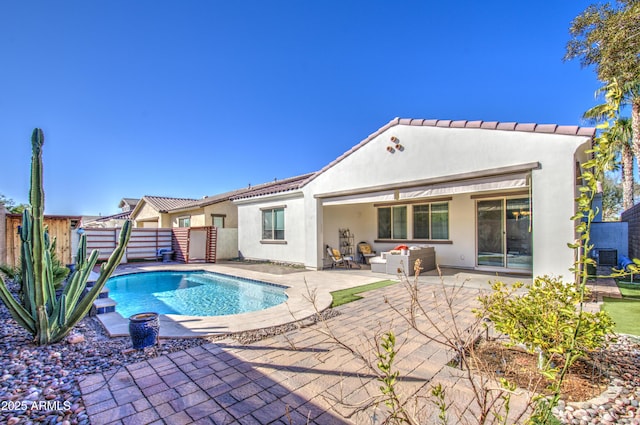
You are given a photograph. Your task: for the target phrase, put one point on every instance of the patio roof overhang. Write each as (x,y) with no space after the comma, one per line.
(501,178)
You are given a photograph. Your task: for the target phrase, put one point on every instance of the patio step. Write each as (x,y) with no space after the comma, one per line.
(104,293)
(104,305)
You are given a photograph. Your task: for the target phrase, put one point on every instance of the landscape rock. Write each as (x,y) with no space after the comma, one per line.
(619,403)
(75,338)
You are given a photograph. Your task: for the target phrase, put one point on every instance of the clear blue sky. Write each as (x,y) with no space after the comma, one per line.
(193,98)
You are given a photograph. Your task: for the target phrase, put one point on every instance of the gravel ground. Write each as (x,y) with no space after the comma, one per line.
(40,384)
(619,404)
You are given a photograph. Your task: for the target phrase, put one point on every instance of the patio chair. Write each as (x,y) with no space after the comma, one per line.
(339,260)
(365,252)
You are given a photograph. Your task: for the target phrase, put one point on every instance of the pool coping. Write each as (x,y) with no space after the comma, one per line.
(308,292)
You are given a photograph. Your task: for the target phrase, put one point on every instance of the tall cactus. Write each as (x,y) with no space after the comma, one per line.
(48,317)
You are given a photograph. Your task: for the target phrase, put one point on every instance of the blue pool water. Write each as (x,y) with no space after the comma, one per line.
(195,293)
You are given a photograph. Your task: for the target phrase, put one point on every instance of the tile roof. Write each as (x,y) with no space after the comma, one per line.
(120,216)
(164,204)
(208,200)
(277,186)
(570,130)
(261,189)
(128,201)
(171,205)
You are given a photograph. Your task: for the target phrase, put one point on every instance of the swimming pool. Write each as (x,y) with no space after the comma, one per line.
(191,293)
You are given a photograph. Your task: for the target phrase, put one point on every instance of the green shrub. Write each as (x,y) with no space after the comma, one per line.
(545,318)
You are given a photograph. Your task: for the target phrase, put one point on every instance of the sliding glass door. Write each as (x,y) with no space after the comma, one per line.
(518,234)
(504,233)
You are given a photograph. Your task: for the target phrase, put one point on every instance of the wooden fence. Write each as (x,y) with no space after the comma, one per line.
(143,244)
(60,227)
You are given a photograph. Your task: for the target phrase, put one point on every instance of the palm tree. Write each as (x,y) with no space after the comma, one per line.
(621,133)
(607,36)
(628,94)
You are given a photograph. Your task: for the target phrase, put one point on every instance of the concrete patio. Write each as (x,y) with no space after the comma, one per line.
(302,376)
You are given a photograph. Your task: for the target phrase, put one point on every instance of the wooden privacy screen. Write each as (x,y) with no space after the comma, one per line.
(181,243)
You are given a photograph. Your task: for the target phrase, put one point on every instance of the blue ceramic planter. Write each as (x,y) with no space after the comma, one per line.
(144,329)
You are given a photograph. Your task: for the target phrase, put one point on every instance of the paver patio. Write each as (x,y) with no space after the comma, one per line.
(294,378)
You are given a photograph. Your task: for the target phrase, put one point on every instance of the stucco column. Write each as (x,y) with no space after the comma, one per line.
(313,229)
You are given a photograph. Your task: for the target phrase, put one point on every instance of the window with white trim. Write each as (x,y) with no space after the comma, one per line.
(184,221)
(273,224)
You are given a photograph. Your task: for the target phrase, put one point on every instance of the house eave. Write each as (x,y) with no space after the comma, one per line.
(269,197)
(491,172)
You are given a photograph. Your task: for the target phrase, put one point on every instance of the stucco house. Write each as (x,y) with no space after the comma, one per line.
(155,212)
(486,195)
(216,210)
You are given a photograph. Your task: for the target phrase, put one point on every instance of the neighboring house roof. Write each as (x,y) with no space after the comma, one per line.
(570,130)
(96,221)
(130,202)
(210,200)
(120,216)
(277,186)
(165,204)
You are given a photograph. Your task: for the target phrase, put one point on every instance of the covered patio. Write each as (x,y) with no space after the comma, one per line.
(476,221)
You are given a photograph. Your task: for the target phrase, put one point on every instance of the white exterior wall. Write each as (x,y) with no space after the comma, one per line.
(428,153)
(250,242)
(432,152)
